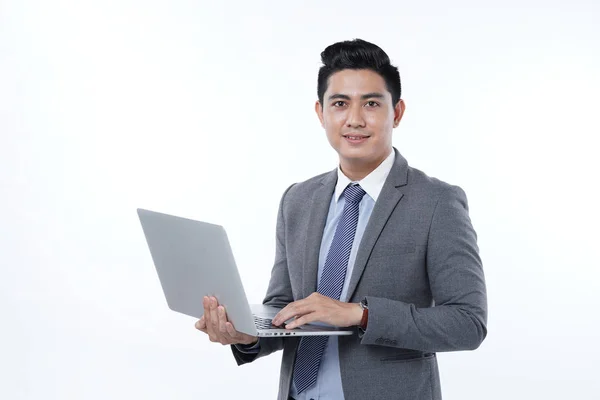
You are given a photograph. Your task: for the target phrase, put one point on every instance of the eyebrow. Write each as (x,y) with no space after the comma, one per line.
(375,95)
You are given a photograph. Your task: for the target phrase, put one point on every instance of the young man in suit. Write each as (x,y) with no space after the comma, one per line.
(376,245)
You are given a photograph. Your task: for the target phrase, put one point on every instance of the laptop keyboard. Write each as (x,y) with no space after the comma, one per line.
(263,323)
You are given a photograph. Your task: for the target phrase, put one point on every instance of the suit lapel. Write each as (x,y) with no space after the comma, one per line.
(319,208)
(391,193)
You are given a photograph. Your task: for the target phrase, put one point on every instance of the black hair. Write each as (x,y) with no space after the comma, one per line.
(358,54)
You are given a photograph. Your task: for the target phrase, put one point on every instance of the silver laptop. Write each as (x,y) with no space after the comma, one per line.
(193,259)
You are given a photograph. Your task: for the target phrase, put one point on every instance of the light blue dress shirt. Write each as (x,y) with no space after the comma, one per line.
(329,382)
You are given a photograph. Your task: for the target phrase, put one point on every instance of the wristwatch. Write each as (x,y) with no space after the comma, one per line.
(365,317)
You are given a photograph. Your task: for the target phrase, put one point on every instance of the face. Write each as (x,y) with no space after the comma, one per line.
(359,117)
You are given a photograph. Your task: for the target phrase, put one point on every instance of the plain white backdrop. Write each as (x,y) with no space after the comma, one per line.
(206,110)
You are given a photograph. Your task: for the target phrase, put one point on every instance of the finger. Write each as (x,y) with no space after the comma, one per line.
(305,319)
(224,336)
(212,311)
(214,317)
(230,334)
(231,330)
(211,322)
(234,336)
(239,337)
(201,324)
(297,308)
(206,304)
(287,312)
(222,320)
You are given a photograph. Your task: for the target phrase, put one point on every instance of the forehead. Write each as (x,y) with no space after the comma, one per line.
(356,82)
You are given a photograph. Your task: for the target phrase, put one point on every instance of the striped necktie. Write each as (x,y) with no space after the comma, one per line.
(331,283)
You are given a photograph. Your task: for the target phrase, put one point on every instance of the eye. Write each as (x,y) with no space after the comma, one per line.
(339,103)
(372,103)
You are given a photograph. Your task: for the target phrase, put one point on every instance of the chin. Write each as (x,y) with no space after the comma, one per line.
(357,154)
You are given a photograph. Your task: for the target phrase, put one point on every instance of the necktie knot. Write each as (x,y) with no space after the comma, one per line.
(354,193)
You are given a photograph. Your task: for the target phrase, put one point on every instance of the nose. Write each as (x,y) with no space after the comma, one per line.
(355,118)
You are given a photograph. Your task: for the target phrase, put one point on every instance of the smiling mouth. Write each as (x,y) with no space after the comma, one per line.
(356,138)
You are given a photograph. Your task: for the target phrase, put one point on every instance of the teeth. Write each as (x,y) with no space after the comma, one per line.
(354,137)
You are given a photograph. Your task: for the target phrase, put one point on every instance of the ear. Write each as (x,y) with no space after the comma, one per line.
(319,111)
(399,112)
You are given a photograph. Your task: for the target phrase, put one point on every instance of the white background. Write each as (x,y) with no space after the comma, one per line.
(205,110)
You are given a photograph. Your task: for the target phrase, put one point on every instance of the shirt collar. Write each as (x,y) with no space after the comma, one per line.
(372,183)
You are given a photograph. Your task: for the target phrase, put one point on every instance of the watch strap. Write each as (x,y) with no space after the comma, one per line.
(365,317)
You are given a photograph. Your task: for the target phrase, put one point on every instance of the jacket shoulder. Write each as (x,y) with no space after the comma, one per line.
(305,189)
(419,178)
(426,186)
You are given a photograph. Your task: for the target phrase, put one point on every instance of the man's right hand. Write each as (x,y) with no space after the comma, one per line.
(214,323)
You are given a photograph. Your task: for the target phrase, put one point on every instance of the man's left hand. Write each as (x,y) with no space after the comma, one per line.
(319,308)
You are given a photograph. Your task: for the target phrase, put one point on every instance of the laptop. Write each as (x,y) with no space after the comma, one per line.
(194,259)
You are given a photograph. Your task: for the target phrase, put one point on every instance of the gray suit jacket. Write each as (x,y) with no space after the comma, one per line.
(417,265)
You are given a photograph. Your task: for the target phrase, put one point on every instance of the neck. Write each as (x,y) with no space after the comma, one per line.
(356,170)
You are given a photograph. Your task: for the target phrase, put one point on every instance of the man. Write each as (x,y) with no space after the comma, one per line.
(375,245)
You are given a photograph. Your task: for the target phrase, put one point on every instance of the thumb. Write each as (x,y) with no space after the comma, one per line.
(201,324)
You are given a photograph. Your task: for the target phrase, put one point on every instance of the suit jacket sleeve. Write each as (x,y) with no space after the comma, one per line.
(458,319)
(279,293)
